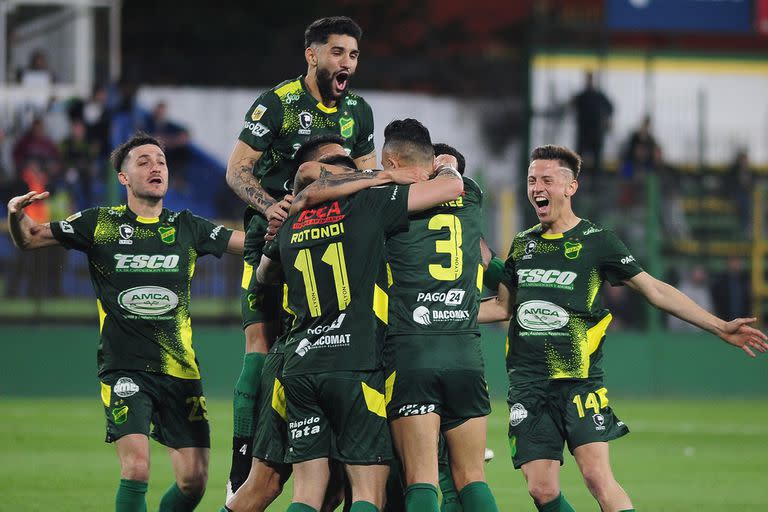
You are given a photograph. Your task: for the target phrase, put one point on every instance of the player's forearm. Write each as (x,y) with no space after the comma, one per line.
(492,310)
(27,234)
(445,187)
(268,271)
(330,186)
(673,301)
(241,180)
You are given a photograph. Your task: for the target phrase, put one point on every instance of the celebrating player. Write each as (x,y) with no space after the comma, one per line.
(260,170)
(553,276)
(141,258)
(333,259)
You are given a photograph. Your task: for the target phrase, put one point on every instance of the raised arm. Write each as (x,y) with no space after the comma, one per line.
(366,161)
(25,232)
(671,300)
(497,309)
(446,186)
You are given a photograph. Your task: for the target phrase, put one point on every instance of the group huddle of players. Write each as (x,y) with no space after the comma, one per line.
(363,374)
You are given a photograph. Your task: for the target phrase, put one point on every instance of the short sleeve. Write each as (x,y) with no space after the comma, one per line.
(472,191)
(263,121)
(208,237)
(617,263)
(509,275)
(76,231)
(364,144)
(389,204)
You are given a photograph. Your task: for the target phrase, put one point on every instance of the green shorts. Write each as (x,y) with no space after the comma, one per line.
(271,435)
(544,415)
(340,415)
(174,407)
(258,302)
(455,388)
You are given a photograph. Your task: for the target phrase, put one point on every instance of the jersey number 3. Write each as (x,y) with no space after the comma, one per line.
(451,247)
(333,256)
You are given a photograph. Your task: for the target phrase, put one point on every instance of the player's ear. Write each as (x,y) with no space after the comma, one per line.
(310,56)
(122,178)
(573,186)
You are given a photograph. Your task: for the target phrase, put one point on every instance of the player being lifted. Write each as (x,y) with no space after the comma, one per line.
(333,259)
(553,276)
(141,258)
(260,170)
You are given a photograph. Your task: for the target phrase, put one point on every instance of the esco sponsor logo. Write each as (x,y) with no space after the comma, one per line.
(452,297)
(517,413)
(552,276)
(146,262)
(125,387)
(306,427)
(627,259)
(148,300)
(540,315)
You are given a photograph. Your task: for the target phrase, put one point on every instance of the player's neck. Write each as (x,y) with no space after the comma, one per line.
(310,82)
(565,222)
(145,207)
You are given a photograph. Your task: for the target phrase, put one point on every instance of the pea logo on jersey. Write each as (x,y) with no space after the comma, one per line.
(540,315)
(572,250)
(126,232)
(125,387)
(347,126)
(148,300)
(305,120)
(167,234)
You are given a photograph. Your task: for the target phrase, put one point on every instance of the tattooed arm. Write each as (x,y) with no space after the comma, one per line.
(366,161)
(446,186)
(241,180)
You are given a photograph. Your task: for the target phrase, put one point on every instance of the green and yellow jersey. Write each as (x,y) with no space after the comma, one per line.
(141,270)
(436,268)
(283,118)
(558,325)
(333,259)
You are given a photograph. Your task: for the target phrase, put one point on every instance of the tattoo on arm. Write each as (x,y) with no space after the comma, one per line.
(445,170)
(248,188)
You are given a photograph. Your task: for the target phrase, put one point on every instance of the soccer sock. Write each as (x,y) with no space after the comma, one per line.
(244,413)
(176,501)
(421,498)
(477,497)
(559,504)
(131,496)
(451,502)
(301,507)
(363,506)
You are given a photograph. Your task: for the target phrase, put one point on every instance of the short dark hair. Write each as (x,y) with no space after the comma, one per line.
(319,30)
(409,139)
(444,149)
(139,139)
(565,156)
(307,152)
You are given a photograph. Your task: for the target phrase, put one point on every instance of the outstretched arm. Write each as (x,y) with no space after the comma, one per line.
(668,298)
(26,233)
(498,308)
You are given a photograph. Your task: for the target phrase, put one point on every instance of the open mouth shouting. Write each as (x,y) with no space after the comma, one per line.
(542,205)
(340,81)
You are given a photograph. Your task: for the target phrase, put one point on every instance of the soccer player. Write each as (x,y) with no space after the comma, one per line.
(141,259)
(260,170)
(333,259)
(432,353)
(553,275)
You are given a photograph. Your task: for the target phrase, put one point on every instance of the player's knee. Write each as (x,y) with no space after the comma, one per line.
(598,481)
(543,491)
(135,467)
(465,476)
(193,483)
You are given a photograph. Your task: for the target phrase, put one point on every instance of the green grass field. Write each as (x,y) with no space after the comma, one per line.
(700,455)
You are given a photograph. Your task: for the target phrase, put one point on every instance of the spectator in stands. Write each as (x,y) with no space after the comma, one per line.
(79,157)
(593,119)
(673,220)
(37,74)
(741,183)
(176,140)
(695,285)
(639,151)
(625,307)
(36,146)
(97,120)
(732,289)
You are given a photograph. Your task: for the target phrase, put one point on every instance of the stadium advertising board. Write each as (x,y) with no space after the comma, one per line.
(680,15)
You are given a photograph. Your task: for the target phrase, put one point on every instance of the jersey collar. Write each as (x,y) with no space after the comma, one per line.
(320,106)
(145,220)
(558,236)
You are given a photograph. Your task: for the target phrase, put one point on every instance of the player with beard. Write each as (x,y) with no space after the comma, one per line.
(552,281)
(260,170)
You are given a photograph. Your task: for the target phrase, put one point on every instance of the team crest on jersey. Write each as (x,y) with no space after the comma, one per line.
(167,234)
(120,414)
(126,233)
(258,112)
(347,126)
(572,250)
(305,121)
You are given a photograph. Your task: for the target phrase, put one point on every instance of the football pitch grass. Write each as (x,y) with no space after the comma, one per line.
(682,455)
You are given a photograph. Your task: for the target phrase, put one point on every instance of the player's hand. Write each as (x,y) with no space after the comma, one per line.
(408,175)
(448,160)
(18,203)
(272,228)
(279,210)
(739,334)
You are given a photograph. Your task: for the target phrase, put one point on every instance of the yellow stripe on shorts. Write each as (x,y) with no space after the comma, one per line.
(278,399)
(374,401)
(106,393)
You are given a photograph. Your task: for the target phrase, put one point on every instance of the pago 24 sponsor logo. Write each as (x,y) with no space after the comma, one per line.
(452,297)
(148,300)
(540,315)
